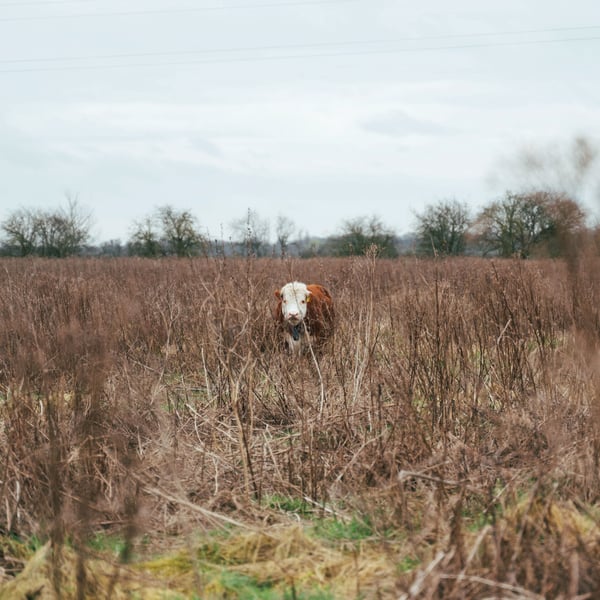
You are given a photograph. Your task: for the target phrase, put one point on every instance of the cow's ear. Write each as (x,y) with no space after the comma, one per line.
(308,296)
(277,294)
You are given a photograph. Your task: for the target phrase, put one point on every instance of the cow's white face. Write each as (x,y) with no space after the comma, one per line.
(294,299)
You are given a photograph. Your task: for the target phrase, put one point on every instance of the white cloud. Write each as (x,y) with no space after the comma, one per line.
(398,123)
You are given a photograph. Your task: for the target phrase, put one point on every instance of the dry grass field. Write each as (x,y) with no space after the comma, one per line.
(155,442)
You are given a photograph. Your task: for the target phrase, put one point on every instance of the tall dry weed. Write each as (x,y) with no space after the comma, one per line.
(140,395)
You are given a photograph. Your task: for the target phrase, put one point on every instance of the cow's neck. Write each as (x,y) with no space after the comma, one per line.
(297,330)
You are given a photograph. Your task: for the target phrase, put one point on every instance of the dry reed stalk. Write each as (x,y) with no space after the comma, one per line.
(448,380)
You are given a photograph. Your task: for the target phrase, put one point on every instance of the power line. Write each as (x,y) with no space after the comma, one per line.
(49,2)
(157,11)
(300,56)
(297,46)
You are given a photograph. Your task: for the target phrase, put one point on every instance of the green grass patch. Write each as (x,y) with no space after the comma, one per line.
(408,564)
(297,506)
(336,530)
(108,544)
(230,584)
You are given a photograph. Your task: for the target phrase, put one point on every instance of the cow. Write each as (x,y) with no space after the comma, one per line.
(306,315)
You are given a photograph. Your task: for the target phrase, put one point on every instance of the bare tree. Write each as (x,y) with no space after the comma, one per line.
(166,231)
(518,224)
(442,228)
(362,234)
(64,232)
(145,239)
(251,234)
(20,229)
(284,229)
(57,233)
(180,231)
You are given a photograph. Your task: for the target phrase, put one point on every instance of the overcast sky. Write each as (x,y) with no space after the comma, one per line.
(321,111)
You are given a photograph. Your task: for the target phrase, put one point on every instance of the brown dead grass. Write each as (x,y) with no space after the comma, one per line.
(457,409)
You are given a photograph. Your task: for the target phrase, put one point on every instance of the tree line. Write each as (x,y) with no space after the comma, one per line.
(538,223)
(545,219)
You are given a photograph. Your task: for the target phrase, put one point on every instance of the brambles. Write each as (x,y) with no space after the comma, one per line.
(453,422)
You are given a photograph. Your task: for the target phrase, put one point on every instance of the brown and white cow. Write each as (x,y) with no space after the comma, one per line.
(305,313)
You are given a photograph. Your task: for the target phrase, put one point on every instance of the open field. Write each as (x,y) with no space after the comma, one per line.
(156,443)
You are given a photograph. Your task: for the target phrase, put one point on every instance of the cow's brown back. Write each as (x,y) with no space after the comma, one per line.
(320,314)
